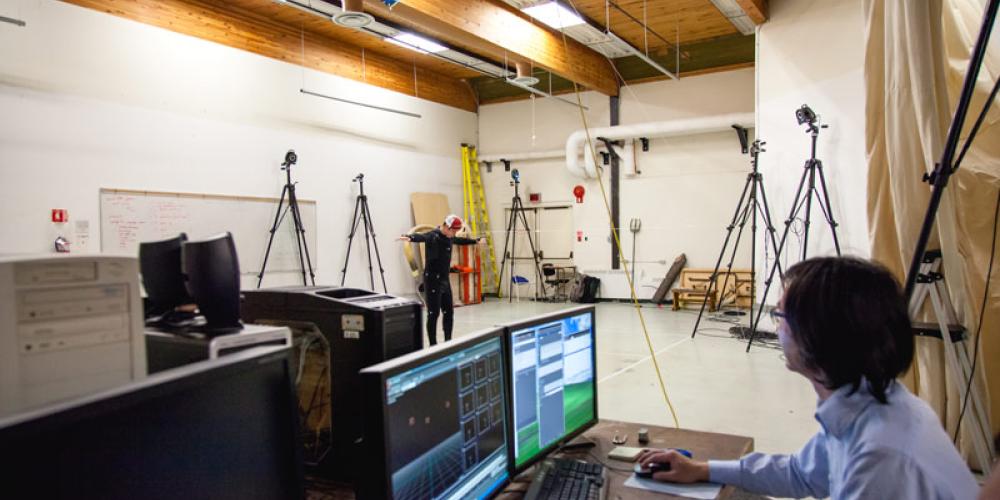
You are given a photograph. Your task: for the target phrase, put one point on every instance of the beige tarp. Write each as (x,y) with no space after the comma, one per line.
(916,58)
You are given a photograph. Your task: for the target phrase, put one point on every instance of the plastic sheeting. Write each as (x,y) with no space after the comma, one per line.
(916,57)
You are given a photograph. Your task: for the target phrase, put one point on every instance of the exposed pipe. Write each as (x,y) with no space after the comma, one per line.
(534,155)
(576,143)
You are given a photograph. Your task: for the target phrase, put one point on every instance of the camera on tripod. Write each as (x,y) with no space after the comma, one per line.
(805,114)
(359,178)
(290,158)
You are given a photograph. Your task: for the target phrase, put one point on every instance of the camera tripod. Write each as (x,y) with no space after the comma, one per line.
(300,233)
(510,240)
(363,216)
(756,203)
(812,169)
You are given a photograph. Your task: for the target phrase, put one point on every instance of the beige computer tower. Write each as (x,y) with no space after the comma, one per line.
(69,325)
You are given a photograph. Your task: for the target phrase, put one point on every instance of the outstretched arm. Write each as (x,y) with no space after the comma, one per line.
(466,241)
(415,237)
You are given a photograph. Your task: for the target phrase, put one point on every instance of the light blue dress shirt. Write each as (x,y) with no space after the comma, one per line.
(864,450)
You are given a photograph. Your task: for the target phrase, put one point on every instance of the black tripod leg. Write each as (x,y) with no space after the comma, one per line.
(300,236)
(278,217)
(736,246)
(777,255)
(722,253)
(378,257)
(368,246)
(769,226)
(754,202)
(350,240)
(534,254)
(807,221)
(827,207)
(507,243)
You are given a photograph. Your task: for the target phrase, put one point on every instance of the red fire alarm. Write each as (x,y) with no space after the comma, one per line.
(534,197)
(579,235)
(60,215)
(578,191)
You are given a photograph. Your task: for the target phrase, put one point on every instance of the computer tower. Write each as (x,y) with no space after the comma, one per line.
(69,326)
(362,328)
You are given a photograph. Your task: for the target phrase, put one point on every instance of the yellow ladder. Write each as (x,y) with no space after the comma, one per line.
(474,205)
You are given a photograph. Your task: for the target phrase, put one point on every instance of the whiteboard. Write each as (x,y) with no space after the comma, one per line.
(130,217)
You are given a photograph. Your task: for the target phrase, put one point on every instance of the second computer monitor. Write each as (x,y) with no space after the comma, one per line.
(552,385)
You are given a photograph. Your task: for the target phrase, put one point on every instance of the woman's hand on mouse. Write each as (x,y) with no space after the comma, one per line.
(682,469)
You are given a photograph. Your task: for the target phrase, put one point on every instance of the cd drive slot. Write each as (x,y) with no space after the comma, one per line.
(79,326)
(74,294)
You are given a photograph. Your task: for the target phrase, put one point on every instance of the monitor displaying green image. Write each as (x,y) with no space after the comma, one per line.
(553,387)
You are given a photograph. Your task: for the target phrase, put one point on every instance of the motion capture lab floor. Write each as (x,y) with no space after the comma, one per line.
(714,384)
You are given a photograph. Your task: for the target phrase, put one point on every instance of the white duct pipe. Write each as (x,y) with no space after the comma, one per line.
(626,153)
(577,141)
(534,155)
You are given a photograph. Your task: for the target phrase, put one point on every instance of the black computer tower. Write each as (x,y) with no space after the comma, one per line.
(362,328)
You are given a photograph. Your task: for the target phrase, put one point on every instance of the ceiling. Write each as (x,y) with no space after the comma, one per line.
(482,37)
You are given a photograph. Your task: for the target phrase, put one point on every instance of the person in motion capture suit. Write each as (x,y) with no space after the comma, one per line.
(437,288)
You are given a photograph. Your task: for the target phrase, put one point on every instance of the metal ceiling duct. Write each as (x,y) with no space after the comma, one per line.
(353,15)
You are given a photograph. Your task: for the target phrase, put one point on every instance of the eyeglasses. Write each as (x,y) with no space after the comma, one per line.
(777,316)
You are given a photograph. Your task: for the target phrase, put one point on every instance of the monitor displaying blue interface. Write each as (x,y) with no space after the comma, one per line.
(552,385)
(445,423)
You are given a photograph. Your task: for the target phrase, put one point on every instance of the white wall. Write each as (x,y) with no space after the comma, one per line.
(685,196)
(812,52)
(90,100)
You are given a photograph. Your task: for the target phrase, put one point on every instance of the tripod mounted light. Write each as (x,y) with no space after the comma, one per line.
(353,15)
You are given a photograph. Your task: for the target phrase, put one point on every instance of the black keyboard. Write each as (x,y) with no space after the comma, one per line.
(567,479)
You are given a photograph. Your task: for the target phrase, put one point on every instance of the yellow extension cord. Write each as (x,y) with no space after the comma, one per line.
(618,244)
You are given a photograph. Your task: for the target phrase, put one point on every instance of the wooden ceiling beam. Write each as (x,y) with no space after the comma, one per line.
(244,30)
(498,31)
(756,10)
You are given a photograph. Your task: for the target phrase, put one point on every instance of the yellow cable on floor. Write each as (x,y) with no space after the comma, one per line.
(618,244)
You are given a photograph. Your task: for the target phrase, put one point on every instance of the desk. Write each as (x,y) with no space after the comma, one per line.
(703,445)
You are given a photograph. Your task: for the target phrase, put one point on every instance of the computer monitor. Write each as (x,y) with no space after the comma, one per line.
(553,391)
(223,428)
(160,266)
(435,422)
(212,273)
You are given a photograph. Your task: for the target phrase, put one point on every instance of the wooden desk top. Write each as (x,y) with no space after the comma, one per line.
(703,445)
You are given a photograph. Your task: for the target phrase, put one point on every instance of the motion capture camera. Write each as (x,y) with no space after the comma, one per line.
(290,158)
(805,115)
(360,177)
(515,175)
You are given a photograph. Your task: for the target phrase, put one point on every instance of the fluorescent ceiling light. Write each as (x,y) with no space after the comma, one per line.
(554,15)
(732,10)
(417,43)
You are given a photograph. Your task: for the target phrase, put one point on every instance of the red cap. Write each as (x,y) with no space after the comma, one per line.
(453,222)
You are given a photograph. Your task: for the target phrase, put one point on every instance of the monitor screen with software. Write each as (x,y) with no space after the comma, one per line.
(223,428)
(435,422)
(553,387)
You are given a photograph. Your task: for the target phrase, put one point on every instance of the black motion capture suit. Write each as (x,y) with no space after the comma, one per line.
(437,288)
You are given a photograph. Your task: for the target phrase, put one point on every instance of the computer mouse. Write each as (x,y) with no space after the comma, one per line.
(647,470)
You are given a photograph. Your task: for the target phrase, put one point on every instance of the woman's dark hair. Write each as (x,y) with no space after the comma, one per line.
(850,321)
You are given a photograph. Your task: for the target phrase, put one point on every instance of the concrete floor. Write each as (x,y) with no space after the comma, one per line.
(713,383)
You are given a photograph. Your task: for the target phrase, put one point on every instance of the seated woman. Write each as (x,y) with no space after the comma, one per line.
(843,325)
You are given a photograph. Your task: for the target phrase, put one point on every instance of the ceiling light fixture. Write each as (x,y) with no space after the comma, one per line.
(554,15)
(736,15)
(524,76)
(417,43)
(353,15)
